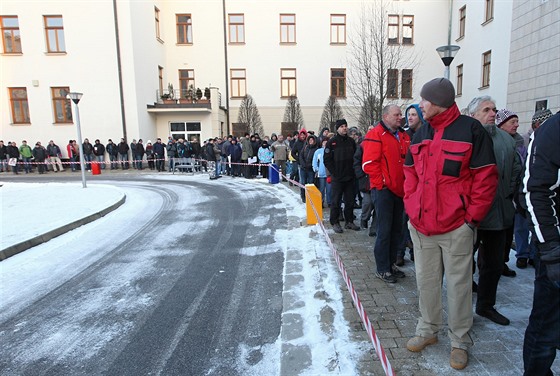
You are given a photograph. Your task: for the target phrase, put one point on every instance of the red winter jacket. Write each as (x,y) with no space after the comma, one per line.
(384,157)
(451,174)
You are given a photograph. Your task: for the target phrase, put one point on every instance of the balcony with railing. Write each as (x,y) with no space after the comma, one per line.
(181,100)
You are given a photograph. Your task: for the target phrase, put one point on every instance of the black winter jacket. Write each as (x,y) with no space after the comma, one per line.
(339,157)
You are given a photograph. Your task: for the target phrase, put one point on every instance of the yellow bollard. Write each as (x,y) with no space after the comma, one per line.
(313,196)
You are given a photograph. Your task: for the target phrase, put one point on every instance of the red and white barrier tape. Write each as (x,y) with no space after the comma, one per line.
(359,306)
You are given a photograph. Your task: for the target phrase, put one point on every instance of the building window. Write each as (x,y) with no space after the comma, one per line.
(486,60)
(338,82)
(55,34)
(10,35)
(406,83)
(288,82)
(489,11)
(184,29)
(392,83)
(160,80)
(19,104)
(287,28)
(408,29)
(462,21)
(238,83)
(236,28)
(186,82)
(338,29)
(156,15)
(61,105)
(186,131)
(393,29)
(459,79)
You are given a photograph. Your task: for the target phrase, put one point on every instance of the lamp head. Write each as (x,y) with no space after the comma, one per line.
(75,97)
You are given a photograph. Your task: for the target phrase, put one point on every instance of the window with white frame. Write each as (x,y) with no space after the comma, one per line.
(288,82)
(338,29)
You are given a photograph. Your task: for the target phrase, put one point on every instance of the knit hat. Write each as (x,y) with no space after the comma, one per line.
(439,91)
(340,122)
(540,116)
(504,115)
(303,131)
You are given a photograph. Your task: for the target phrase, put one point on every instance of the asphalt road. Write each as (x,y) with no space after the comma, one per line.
(170,291)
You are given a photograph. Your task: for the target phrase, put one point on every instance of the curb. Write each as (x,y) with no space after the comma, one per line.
(39,239)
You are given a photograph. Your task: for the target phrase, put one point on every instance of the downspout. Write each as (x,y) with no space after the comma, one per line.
(226,66)
(450,22)
(119,68)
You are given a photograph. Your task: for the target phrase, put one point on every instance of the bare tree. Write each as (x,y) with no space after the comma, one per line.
(249,115)
(368,113)
(370,58)
(292,113)
(331,113)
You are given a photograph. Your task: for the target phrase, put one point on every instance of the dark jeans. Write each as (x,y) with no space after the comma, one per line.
(341,189)
(389,208)
(87,160)
(73,165)
(27,164)
(406,238)
(490,263)
(523,248)
(542,336)
(160,162)
(305,177)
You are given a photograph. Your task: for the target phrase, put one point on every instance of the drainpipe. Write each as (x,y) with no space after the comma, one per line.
(226,66)
(119,68)
(450,22)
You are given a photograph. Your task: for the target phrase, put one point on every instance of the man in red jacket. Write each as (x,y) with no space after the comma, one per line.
(385,148)
(451,181)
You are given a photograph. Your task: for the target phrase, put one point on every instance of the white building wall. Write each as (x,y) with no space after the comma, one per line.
(88,67)
(534,66)
(479,38)
(313,56)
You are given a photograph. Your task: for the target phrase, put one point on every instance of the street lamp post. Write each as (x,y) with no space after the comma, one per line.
(447,54)
(75,97)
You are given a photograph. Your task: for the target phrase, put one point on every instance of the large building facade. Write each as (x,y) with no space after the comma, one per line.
(139,63)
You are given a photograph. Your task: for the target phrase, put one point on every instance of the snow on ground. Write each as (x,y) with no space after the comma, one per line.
(29,209)
(32,209)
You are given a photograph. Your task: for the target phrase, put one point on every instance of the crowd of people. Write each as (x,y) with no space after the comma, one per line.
(436,183)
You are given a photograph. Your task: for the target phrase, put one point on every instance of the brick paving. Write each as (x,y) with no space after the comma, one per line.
(393,311)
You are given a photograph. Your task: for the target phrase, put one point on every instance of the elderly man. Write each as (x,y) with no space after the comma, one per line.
(493,229)
(385,148)
(339,157)
(451,180)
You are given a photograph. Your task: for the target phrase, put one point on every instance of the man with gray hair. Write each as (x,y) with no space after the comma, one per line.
(451,180)
(385,148)
(492,230)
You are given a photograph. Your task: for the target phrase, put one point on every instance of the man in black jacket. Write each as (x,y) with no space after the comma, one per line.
(3,157)
(99,153)
(540,197)
(339,158)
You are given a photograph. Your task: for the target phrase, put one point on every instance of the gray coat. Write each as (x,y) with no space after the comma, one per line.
(502,212)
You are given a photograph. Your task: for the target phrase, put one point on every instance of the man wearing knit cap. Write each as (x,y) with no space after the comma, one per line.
(451,180)
(539,117)
(338,159)
(508,121)
(495,232)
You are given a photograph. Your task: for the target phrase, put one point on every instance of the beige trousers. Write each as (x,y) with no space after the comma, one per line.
(450,254)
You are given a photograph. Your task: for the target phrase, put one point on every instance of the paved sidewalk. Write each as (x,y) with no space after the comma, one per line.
(393,310)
